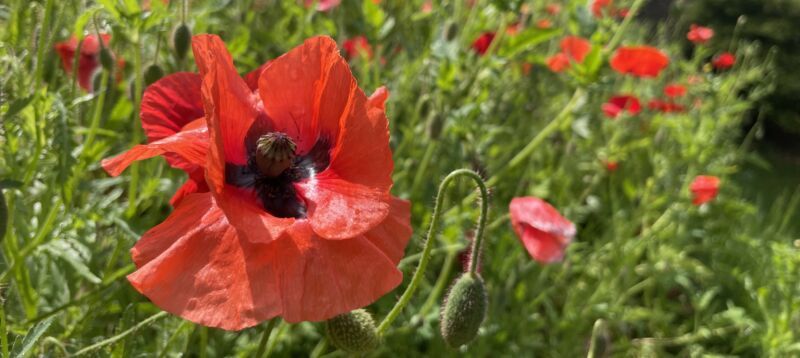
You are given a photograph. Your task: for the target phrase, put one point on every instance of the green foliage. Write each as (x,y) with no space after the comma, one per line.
(667,277)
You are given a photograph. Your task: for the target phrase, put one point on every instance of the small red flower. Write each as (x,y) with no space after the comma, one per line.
(600,6)
(248,242)
(558,62)
(724,61)
(482,43)
(665,106)
(553,9)
(640,61)
(323,5)
(544,24)
(356,47)
(576,48)
(674,90)
(699,34)
(623,13)
(513,29)
(89,61)
(611,165)
(541,229)
(427,7)
(704,188)
(617,104)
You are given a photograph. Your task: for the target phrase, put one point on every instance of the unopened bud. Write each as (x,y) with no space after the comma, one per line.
(353,332)
(274,153)
(181,39)
(450,31)
(434,126)
(97,80)
(106,58)
(464,310)
(152,74)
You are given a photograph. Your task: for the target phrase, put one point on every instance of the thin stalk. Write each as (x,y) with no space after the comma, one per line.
(262,345)
(440,285)
(122,335)
(624,25)
(3,330)
(423,165)
(320,348)
(432,230)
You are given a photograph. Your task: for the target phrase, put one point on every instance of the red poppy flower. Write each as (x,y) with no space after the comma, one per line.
(427,7)
(323,5)
(665,106)
(724,61)
(356,47)
(640,61)
(704,189)
(543,231)
(699,34)
(558,62)
(599,6)
(623,13)
(617,104)
(89,61)
(611,165)
(553,9)
(317,239)
(576,48)
(675,90)
(544,24)
(513,29)
(482,43)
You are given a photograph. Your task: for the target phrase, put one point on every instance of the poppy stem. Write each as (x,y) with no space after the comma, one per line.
(432,230)
(122,335)
(262,345)
(617,38)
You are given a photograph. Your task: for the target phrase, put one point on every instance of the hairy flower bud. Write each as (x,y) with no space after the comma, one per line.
(353,332)
(274,153)
(152,73)
(106,58)
(464,310)
(181,39)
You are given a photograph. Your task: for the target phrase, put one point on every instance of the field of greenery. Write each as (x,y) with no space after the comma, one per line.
(661,251)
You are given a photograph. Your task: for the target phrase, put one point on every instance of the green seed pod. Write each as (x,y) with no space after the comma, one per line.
(353,332)
(434,126)
(464,310)
(106,58)
(152,73)
(181,39)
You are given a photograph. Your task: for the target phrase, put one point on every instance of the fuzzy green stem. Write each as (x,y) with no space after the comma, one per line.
(262,346)
(434,227)
(122,335)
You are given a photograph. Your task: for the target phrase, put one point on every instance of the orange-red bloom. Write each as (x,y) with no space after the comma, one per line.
(539,226)
(600,6)
(482,43)
(323,5)
(617,104)
(724,61)
(89,61)
(356,47)
(611,165)
(318,239)
(558,62)
(553,9)
(665,106)
(544,24)
(640,61)
(699,34)
(576,48)
(674,90)
(704,188)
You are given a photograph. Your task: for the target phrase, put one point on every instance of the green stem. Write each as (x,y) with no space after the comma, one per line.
(262,346)
(423,166)
(3,330)
(122,335)
(440,285)
(320,348)
(621,29)
(432,230)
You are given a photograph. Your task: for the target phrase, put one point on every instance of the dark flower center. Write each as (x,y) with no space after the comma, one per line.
(273,167)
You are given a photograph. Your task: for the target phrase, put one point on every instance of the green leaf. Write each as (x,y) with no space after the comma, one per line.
(17,106)
(527,40)
(373,14)
(80,23)
(30,339)
(75,254)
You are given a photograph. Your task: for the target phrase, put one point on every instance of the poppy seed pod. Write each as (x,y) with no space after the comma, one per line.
(152,73)
(275,153)
(181,39)
(464,310)
(353,332)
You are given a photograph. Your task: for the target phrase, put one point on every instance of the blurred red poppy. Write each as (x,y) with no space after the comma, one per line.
(558,62)
(623,13)
(553,9)
(617,104)
(674,90)
(482,43)
(541,229)
(315,240)
(323,5)
(356,47)
(640,61)
(611,165)
(699,34)
(427,7)
(544,24)
(89,60)
(601,6)
(704,188)
(665,106)
(513,29)
(724,61)
(576,48)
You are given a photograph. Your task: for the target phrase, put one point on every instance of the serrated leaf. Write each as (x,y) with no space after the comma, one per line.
(75,254)
(30,339)
(17,106)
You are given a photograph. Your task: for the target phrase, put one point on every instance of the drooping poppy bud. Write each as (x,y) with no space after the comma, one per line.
(153,73)
(106,58)
(181,39)
(464,310)
(275,153)
(353,332)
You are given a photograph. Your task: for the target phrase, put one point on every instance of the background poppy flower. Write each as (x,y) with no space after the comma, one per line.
(674,90)
(89,61)
(704,188)
(699,34)
(541,229)
(617,104)
(544,24)
(357,46)
(575,48)
(665,106)
(558,62)
(600,6)
(724,61)
(323,5)
(482,43)
(319,239)
(611,165)
(640,61)
(553,9)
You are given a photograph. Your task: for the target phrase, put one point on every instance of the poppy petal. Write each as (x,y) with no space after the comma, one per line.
(319,279)
(392,235)
(247,215)
(170,103)
(195,184)
(190,144)
(195,266)
(543,247)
